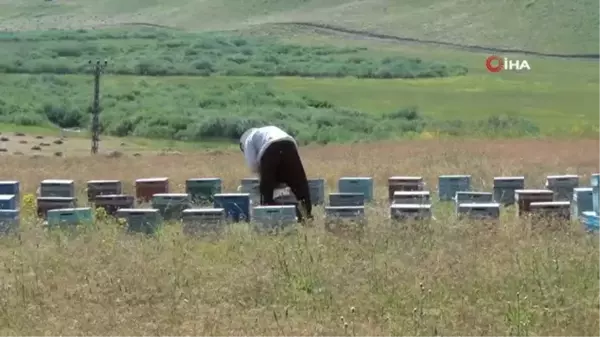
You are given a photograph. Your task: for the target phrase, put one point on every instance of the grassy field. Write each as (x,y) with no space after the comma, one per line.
(449,277)
(552,26)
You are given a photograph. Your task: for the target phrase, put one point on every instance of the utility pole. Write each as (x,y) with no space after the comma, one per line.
(98,69)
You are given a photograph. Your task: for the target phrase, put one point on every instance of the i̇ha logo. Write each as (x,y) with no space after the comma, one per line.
(496,64)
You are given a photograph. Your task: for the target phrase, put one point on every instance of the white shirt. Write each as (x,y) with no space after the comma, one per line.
(257,140)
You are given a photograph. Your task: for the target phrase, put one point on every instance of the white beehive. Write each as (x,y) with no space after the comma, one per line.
(398,183)
(411,197)
(505,187)
(524,198)
(448,185)
(488,210)
(402,212)
(63,188)
(252,187)
(562,186)
(553,209)
(203,220)
(273,217)
(581,201)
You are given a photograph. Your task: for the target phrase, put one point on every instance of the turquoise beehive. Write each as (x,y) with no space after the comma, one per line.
(170,205)
(362,185)
(141,220)
(8,201)
(448,185)
(269,218)
(11,187)
(581,201)
(346,199)
(202,190)
(590,221)
(595,182)
(70,216)
(9,221)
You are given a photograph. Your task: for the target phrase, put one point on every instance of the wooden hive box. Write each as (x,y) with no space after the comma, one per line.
(103,187)
(64,188)
(562,186)
(112,203)
(202,190)
(145,188)
(403,184)
(505,187)
(524,198)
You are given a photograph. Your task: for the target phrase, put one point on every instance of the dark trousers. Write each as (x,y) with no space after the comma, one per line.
(279,164)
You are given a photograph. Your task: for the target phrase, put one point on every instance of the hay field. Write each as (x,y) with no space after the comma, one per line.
(444,278)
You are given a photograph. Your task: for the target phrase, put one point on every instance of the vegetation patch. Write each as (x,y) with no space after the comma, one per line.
(172,110)
(162,52)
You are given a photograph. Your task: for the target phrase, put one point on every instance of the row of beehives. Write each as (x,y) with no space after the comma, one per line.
(562,197)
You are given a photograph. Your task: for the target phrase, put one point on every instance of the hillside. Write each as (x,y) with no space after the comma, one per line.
(551,26)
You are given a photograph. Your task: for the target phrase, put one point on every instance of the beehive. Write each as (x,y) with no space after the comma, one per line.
(112,203)
(411,197)
(398,183)
(202,220)
(70,216)
(448,185)
(251,186)
(141,220)
(45,204)
(236,205)
(103,187)
(505,187)
(317,191)
(170,205)
(57,188)
(362,185)
(403,212)
(562,186)
(479,210)
(8,201)
(147,187)
(201,190)
(273,217)
(590,221)
(9,220)
(333,213)
(524,198)
(581,201)
(346,199)
(552,209)
(595,182)
(11,187)
(473,198)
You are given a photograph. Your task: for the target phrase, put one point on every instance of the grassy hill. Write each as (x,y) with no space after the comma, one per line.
(552,26)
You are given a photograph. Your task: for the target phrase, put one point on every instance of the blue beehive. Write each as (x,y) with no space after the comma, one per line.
(8,201)
(595,182)
(362,185)
(590,221)
(11,187)
(448,185)
(141,220)
(9,220)
(70,216)
(581,201)
(170,205)
(403,212)
(64,188)
(236,205)
(505,187)
(203,220)
(562,186)
(317,191)
(346,199)
(411,197)
(479,210)
(274,217)
(201,190)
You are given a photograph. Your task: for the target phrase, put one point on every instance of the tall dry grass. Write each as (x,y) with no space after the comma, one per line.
(447,277)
